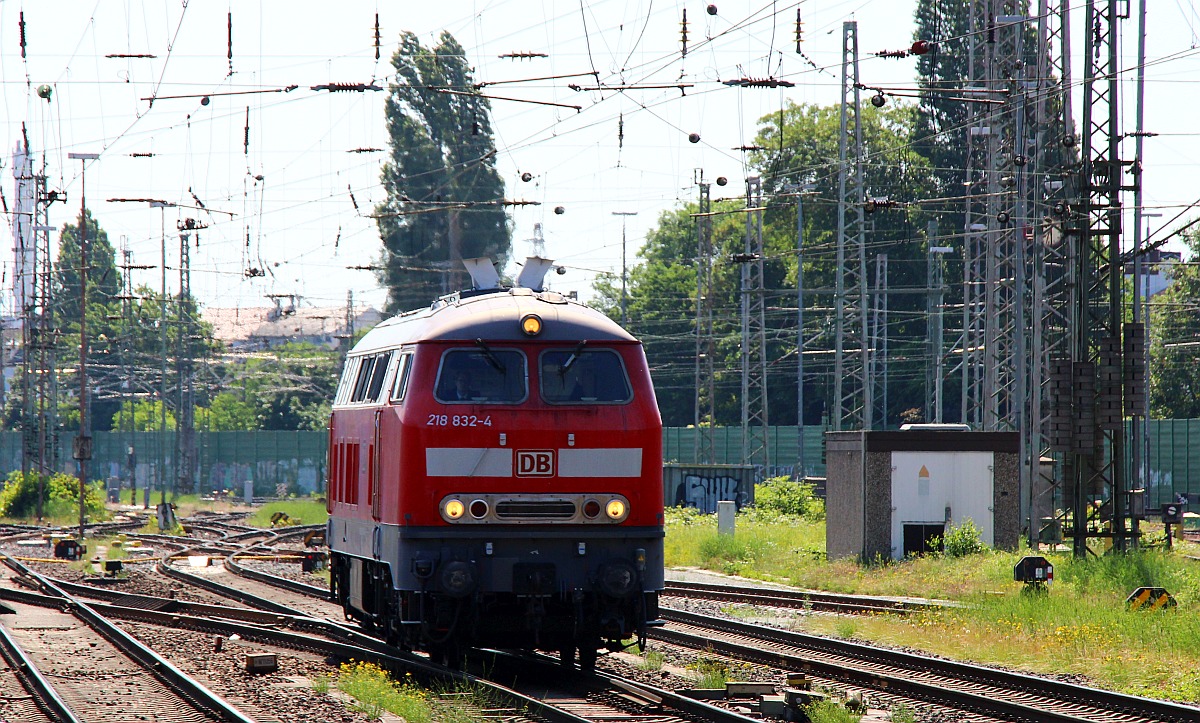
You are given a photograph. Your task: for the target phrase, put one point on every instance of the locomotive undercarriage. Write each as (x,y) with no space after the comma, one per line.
(536,616)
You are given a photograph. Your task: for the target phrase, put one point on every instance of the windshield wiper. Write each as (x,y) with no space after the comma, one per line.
(487,354)
(570,362)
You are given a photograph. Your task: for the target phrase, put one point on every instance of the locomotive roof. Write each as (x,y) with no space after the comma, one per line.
(494,316)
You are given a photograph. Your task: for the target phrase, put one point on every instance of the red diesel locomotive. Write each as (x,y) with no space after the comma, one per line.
(495,476)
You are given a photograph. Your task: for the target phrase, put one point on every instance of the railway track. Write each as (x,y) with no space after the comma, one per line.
(585,701)
(798,599)
(949,684)
(79,666)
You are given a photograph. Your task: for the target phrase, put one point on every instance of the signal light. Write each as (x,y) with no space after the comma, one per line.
(531,324)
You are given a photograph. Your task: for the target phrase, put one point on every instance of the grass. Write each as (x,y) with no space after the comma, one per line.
(300,511)
(374,692)
(1081,627)
(652,660)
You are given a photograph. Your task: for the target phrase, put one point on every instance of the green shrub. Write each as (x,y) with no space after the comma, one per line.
(786,496)
(963,540)
(19,497)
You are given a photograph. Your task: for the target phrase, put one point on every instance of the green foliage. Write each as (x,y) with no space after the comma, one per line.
(1174,374)
(288,387)
(226,413)
(321,684)
(789,497)
(961,540)
(711,671)
(299,511)
(799,145)
(144,415)
(18,498)
(442,153)
(375,692)
(903,714)
(651,660)
(826,711)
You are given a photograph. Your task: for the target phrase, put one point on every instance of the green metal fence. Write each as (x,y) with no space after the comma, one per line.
(679,445)
(1172,461)
(296,460)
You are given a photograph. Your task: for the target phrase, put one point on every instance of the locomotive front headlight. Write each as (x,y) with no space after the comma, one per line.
(616,509)
(453,509)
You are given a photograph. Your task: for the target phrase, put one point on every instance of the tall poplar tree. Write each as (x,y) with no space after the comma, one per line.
(444,196)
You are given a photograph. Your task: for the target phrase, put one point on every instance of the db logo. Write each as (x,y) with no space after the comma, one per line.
(535,463)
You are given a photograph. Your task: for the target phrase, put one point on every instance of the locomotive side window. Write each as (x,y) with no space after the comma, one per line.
(401,384)
(346,385)
(382,361)
(365,368)
(587,376)
(482,376)
(368,379)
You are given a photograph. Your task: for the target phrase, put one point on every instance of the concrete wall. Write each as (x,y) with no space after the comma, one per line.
(844,494)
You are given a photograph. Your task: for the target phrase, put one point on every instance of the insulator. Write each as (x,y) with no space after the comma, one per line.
(1019,160)
(694,137)
(711,9)
(879,100)
(1008,181)
(527,176)
(722,180)
(559,210)
(1068,140)
(1002,217)
(683,32)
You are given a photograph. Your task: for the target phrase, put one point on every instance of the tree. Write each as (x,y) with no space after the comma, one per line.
(145,415)
(1174,337)
(290,387)
(104,281)
(802,153)
(445,199)
(226,413)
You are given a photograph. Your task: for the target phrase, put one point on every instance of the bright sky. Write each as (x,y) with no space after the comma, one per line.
(293,187)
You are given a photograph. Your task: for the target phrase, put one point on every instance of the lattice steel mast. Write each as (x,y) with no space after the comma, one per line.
(704,418)
(851,407)
(755,433)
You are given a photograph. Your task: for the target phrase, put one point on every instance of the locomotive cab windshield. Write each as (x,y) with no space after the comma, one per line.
(488,376)
(590,376)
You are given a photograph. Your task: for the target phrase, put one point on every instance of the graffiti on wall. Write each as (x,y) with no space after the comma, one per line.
(703,492)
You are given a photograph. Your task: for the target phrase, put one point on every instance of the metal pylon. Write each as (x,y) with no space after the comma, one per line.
(755,433)
(851,407)
(704,418)
(1096,466)
(1050,411)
